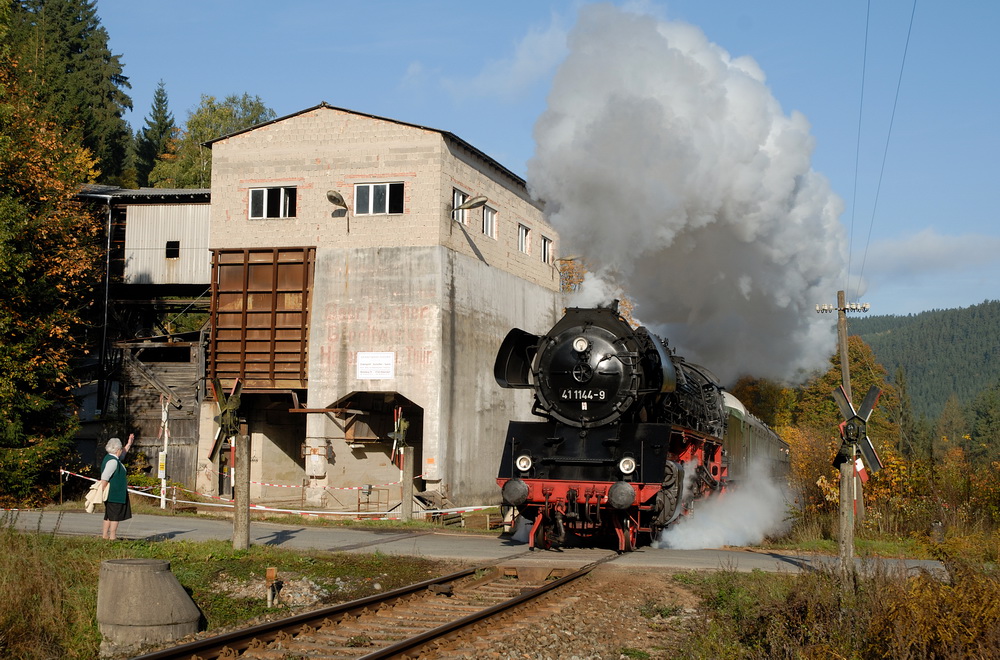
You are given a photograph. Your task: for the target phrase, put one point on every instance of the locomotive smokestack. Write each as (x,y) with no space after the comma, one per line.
(681,174)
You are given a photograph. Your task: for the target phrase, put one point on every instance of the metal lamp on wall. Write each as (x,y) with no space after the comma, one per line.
(337,199)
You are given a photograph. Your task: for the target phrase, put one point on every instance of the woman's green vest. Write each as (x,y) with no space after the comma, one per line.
(118,486)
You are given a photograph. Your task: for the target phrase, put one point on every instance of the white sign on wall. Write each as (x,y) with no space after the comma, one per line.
(376,366)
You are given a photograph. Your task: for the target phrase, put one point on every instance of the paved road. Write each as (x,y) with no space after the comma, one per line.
(442,544)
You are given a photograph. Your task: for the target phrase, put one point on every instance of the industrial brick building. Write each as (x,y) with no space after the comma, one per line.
(347,293)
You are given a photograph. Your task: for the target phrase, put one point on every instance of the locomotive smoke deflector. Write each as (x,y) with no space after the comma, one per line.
(667,368)
(514,358)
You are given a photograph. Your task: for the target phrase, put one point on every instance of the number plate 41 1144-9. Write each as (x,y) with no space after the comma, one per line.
(582,395)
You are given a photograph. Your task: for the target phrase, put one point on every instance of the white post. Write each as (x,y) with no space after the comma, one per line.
(406,504)
(165,427)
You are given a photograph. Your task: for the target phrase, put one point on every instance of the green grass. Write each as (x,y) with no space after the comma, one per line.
(651,609)
(50,584)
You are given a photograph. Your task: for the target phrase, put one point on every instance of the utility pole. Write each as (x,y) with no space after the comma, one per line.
(161,471)
(406,467)
(847,495)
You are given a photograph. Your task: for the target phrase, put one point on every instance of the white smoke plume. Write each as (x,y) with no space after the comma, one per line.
(667,162)
(743,515)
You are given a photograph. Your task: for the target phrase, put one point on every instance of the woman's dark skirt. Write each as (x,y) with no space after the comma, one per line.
(117,511)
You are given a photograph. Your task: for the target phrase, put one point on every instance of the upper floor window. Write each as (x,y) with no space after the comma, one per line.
(375,198)
(547,250)
(272,202)
(489,222)
(457,199)
(173,250)
(523,238)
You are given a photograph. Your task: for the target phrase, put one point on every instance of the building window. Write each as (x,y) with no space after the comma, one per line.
(489,222)
(523,238)
(547,255)
(378,198)
(272,203)
(457,199)
(173,250)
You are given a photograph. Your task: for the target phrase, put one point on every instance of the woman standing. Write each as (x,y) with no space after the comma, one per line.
(113,477)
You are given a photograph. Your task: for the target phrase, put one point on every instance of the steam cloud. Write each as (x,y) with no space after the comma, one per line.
(743,515)
(670,168)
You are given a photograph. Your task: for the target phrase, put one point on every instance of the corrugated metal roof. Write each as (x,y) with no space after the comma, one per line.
(147,195)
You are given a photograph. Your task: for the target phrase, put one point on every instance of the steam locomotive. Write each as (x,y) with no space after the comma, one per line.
(632,434)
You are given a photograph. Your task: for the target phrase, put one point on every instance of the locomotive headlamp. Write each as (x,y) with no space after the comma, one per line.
(523,462)
(580,344)
(627,465)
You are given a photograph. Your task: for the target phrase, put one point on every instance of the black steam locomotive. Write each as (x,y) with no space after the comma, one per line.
(632,436)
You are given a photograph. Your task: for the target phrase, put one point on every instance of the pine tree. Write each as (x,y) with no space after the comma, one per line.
(191,164)
(154,140)
(904,417)
(66,63)
(984,423)
(952,426)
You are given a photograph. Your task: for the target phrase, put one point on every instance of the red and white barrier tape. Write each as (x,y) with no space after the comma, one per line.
(304,512)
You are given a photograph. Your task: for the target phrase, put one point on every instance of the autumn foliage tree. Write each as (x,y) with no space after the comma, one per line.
(47,270)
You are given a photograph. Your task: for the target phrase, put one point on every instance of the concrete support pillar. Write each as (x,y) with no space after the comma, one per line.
(140,602)
(241,493)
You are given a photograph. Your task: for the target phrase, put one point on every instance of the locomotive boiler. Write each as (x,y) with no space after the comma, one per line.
(629,435)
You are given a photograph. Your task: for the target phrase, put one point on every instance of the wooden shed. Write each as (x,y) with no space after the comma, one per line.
(162,387)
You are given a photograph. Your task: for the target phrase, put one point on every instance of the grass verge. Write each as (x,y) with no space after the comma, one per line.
(50,584)
(880,613)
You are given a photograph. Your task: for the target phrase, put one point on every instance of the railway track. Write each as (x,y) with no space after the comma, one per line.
(420,620)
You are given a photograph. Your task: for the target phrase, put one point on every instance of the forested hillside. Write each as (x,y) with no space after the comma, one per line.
(943,352)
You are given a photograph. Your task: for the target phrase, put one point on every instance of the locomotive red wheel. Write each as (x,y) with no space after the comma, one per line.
(628,535)
(627,532)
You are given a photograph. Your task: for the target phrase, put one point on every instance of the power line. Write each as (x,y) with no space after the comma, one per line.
(885,151)
(857,145)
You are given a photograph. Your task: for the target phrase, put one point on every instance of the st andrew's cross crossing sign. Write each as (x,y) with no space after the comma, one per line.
(854,428)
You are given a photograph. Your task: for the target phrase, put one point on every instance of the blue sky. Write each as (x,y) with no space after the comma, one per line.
(918,221)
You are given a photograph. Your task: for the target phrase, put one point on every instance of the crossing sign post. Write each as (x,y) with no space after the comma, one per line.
(854,436)
(853,432)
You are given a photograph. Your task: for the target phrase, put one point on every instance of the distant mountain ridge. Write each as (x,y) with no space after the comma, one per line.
(941,351)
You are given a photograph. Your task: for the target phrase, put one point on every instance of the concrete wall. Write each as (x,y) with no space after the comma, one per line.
(328,149)
(275,450)
(437,295)
(442,315)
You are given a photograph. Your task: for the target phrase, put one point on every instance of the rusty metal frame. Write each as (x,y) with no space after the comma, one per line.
(277,375)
